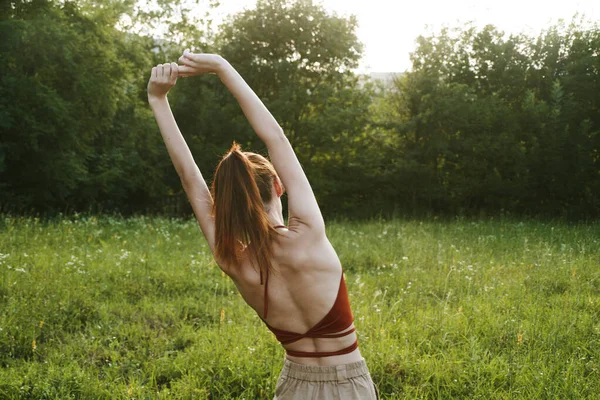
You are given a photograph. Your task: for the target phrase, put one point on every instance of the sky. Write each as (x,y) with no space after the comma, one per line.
(388,28)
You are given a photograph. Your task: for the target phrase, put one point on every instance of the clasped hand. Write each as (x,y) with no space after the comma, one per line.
(164,76)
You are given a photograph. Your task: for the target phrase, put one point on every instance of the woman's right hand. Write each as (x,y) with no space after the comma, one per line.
(191,64)
(162,79)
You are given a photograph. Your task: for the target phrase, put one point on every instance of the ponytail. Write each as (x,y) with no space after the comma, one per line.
(238,209)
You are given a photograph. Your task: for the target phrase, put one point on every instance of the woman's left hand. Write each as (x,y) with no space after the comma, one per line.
(192,64)
(164,77)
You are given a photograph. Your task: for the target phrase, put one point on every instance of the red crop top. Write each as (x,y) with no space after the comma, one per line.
(337,319)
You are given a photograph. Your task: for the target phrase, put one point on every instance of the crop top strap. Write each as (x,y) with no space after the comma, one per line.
(266,301)
(319,354)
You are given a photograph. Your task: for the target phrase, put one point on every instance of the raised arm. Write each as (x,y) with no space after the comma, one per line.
(302,204)
(164,77)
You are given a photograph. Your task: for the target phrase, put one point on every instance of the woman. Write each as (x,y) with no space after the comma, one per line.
(290,275)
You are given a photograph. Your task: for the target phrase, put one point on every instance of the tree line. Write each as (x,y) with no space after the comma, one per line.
(484,123)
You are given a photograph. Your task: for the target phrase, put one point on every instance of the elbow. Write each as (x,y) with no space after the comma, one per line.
(276,135)
(188,174)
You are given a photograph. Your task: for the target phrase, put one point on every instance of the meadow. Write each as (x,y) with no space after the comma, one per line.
(104,307)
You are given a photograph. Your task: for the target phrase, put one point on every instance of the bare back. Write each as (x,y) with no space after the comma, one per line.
(301,291)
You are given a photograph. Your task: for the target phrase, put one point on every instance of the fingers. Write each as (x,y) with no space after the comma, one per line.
(163,70)
(174,72)
(157,72)
(189,55)
(168,72)
(186,60)
(184,71)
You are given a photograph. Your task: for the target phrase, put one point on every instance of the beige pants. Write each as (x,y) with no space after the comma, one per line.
(344,382)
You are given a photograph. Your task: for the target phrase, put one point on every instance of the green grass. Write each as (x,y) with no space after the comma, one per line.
(135,309)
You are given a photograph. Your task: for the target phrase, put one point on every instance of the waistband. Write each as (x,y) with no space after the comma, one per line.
(314,373)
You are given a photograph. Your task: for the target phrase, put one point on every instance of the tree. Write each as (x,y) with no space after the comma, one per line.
(73,122)
(486,122)
(298,59)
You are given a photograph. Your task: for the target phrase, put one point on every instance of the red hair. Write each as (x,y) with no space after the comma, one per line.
(241,187)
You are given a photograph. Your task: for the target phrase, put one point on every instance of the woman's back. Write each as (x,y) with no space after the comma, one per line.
(303,287)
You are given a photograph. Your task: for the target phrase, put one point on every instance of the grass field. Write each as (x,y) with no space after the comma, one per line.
(111,308)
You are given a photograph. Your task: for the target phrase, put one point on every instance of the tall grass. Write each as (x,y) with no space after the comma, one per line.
(110,308)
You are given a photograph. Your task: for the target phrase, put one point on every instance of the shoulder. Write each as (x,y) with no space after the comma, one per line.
(231,268)
(299,241)
(306,230)
(306,248)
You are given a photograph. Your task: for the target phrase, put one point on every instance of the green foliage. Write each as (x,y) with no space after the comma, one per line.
(74,131)
(298,59)
(111,308)
(95,144)
(487,123)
